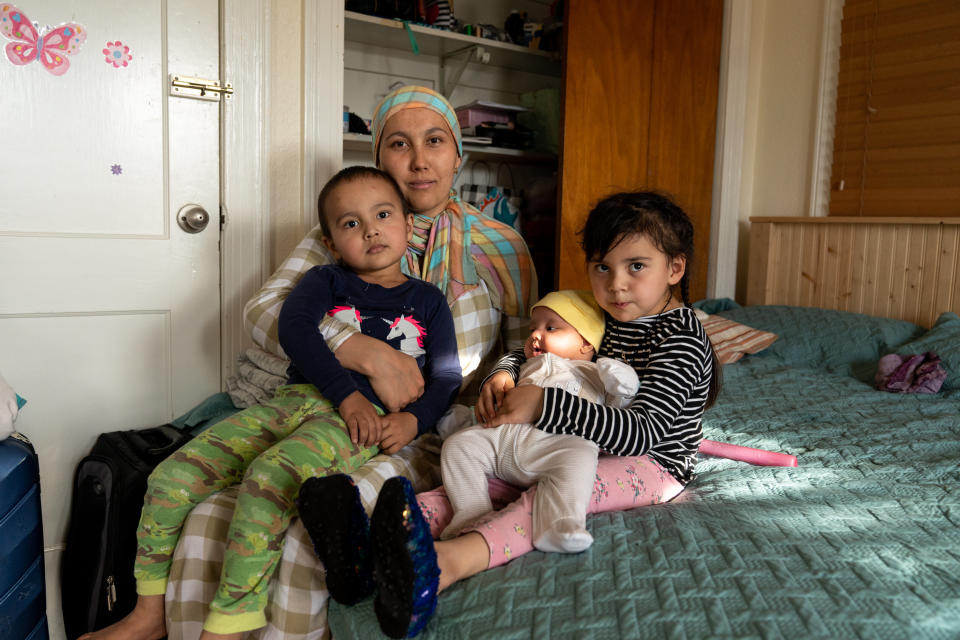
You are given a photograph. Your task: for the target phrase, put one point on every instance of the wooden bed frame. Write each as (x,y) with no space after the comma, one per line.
(904,268)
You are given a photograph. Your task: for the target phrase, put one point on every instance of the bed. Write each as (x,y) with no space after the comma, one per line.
(860,540)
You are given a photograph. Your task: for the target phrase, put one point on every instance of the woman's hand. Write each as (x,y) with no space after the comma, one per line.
(363,422)
(491,395)
(521,405)
(394,376)
(398,430)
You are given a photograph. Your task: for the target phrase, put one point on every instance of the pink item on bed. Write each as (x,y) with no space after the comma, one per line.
(919,373)
(746,454)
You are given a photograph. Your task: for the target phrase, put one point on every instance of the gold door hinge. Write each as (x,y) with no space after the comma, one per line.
(199,88)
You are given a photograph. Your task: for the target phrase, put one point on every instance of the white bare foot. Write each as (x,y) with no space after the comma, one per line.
(145,622)
(461,558)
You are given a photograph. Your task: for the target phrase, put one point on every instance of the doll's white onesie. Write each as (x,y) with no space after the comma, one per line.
(562,466)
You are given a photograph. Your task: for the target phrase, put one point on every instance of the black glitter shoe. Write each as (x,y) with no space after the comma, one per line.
(340,531)
(404,561)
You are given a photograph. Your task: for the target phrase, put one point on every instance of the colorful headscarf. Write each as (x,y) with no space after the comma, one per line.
(412,97)
(461,246)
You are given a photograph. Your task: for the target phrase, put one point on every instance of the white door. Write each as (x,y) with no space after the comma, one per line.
(109,312)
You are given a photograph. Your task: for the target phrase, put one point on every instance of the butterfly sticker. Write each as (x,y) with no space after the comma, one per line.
(50,48)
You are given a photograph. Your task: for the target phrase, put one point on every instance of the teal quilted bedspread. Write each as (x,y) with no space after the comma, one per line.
(862,540)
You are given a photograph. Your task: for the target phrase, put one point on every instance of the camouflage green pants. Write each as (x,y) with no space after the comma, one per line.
(270,449)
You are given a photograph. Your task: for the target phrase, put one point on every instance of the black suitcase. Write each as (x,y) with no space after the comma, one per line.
(96,574)
(23,601)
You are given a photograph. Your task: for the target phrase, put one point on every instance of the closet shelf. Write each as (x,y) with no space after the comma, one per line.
(363,142)
(380,32)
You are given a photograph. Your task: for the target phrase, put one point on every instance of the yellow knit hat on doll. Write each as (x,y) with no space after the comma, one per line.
(579,309)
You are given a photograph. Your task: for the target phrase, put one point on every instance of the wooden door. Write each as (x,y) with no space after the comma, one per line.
(640,102)
(110,313)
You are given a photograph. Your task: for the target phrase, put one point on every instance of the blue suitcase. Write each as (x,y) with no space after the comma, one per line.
(22,596)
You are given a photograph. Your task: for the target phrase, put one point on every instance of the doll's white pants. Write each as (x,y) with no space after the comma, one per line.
(562,466)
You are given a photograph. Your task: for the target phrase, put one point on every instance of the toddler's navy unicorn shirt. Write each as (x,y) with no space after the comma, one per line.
(412,317)
(405,332)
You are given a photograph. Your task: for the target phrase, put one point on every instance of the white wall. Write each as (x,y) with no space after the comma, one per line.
(285,122)
(782,103)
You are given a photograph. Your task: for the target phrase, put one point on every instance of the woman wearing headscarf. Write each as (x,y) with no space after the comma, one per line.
(482,265)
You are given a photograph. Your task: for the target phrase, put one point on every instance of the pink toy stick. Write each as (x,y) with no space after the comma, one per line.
(746,454)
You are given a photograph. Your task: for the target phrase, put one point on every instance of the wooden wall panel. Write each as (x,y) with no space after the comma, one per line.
(916,247)
(864,262)
(949,261)
(892,267)
(606,115)
(759,266)
(640,81)
(683,114)
(838,260)
(954,259)
(809,283)
(896,241)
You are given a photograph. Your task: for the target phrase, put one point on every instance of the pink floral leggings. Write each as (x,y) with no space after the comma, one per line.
(621,483)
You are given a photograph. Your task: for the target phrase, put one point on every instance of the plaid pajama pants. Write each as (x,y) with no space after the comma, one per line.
(269,450)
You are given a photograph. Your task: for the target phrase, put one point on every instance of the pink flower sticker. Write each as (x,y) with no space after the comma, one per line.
(117,54)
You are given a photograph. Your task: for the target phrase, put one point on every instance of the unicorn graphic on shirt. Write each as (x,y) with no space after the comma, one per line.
(411,334)
(346,315)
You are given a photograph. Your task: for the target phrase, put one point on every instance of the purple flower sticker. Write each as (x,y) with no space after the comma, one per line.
(116,169)
(117,54)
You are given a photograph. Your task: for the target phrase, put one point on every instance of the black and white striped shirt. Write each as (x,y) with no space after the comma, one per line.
(674,366)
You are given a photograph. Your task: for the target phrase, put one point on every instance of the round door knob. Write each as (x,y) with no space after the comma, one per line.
(192,218)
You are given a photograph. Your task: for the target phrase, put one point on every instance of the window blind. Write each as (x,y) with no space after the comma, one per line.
(896,148)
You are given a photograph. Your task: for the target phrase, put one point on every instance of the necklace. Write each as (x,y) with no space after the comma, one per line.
(665,305)
(647,335)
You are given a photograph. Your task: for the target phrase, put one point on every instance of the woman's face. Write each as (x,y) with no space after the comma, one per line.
(419,151)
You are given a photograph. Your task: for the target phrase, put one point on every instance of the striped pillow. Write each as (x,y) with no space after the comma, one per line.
(732,340)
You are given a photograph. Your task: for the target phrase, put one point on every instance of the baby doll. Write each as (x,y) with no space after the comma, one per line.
(566,328)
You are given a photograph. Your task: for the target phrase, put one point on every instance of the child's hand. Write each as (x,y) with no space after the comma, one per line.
(491,395)
(521,405)
(363,423)
(394,376)
(398,430)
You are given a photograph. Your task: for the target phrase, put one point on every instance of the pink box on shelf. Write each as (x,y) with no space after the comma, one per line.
(472,116)
(480,111)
